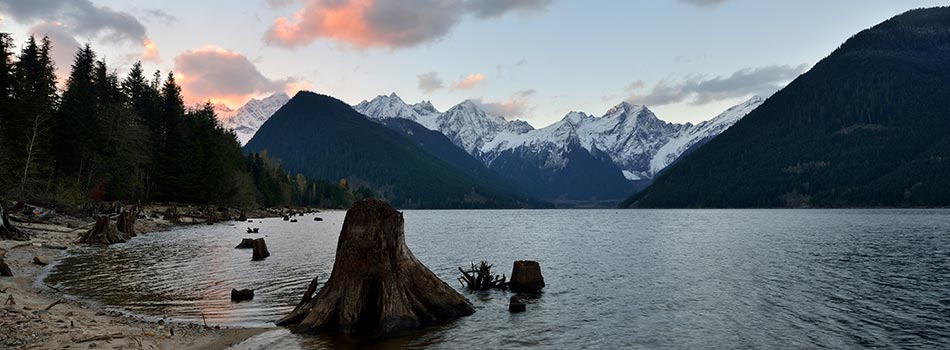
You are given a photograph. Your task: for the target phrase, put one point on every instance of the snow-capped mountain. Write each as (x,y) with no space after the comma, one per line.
(245,121)
(466,124)
(631,137)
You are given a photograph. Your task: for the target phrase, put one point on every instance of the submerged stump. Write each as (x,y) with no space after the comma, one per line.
(260,250)
(526,277)
(377,285)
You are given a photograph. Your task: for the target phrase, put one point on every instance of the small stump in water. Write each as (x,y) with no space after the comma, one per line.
(526,277)
(260,250)
(246,243)
(238,296)
(377,285)
(517,304)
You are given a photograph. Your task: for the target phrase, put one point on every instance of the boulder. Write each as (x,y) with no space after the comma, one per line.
(41,260)
(526,277)
(241,295)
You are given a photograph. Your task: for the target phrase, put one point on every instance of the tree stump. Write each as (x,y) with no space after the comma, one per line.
(241,295)
(246,243)
(126,222)
(260,250)
(377,286)
(5,269)
(104,232)
(7,230)
(526,277)
(171,215)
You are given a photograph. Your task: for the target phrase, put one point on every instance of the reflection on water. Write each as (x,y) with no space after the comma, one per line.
(615,279)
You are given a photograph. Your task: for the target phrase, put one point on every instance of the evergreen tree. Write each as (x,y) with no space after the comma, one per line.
(75,130)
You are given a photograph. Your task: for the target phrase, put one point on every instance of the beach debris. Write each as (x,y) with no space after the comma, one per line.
(377,285)
(246,243)
(479,277)
(41,260)
(241,295)
(517,304)
(526,277)
(5,269)
(260,250)
(253,230)
(317,218)
(104,232)
(7,230)
(105,337)
(10,300)
(50,306)
(53,245)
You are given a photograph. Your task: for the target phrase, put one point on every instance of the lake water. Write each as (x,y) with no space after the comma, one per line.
(615,279)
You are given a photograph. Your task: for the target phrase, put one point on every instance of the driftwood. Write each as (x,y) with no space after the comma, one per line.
(377,285)
(105,232)
(7,230)
(260,250)
(480,278)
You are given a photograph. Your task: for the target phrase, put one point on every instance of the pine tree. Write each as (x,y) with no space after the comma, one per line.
(76,130)
(7,108)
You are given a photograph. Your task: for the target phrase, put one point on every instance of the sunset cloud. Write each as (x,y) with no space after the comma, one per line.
(467,82)
(515,106)
(384,23)
(82,17)
(221,76)
(700,90)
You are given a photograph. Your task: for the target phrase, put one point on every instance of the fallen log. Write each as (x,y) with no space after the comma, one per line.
(377,285)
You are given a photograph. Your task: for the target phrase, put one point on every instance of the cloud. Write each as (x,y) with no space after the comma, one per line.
(698,90)
(385,23)
(703,2)
(514,106)
(429,82)
(222,76)
(64,46)
(496,8)
(468,82)
(159,15)
(81,17)
(279,3)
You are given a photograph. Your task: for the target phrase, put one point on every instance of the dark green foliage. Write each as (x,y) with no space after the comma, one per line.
(868,126)
(324,138)
(130,141)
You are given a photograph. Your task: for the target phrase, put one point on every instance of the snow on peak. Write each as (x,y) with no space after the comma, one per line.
(245,121)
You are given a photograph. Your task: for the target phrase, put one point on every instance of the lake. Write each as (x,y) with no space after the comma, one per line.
(615,279)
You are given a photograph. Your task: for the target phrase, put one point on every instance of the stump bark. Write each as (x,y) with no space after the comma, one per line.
(260,250)
(7,230)
(104,232)
(377,285)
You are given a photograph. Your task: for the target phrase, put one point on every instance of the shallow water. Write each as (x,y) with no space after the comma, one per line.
(616,279)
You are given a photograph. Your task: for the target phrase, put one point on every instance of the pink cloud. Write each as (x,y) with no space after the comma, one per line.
(468,82)
(221,76)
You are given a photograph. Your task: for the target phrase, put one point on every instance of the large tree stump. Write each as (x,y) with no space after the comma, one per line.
(526,277)
(126,221)
(377,286)
(171,215)
(260,250)
(104,232)
(7,230)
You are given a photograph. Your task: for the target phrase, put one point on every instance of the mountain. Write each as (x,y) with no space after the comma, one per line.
(246,120)
(324,138)
(867,126)
(579,158)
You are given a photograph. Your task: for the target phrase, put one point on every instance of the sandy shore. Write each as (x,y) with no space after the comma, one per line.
(31,323)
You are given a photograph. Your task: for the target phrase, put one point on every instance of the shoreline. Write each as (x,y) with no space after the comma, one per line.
(43,318)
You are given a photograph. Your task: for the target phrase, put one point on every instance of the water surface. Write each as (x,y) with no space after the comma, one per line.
(616,279)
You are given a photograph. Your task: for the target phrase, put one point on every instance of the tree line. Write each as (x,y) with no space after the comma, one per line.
(99,137)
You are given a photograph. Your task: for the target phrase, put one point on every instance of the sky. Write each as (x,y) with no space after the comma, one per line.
(535,60)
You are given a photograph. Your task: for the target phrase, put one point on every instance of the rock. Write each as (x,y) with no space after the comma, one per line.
(526,277)
(241,295)
(54,245)
(5,269)
(517,304)
(246,243)
(260,250)
(377,286)
(41,260)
